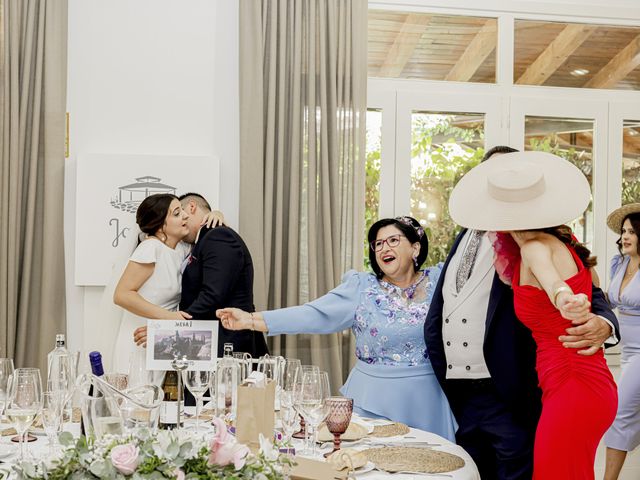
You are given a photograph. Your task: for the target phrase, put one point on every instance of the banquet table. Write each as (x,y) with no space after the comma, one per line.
(468,472)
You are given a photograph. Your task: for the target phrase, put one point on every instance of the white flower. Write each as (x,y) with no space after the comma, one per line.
(267,449)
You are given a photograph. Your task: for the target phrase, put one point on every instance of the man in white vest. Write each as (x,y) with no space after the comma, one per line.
(484,357)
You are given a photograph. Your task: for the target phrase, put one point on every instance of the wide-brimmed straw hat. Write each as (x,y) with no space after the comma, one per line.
(616,218)
(519,191)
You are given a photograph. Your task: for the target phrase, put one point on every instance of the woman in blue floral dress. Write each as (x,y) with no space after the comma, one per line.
(386,310)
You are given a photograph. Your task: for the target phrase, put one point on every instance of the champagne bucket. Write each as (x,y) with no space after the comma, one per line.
(137,407)
(100,413)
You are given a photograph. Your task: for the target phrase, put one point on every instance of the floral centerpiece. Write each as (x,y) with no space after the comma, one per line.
(165,454)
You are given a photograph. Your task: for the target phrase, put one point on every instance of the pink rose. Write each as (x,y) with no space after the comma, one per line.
(179,474)
(228,453)
(125,458)
(221,436)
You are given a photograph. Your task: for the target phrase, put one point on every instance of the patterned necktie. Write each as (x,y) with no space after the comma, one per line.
(468,259)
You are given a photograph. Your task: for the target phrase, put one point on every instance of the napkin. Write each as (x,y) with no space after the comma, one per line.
(307,469)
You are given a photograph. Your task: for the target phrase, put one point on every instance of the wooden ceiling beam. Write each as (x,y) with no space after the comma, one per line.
(476,53)
(556,53)
(618,67)
(404,44)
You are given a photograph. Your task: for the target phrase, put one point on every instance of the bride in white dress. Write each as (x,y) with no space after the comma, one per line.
(150,286)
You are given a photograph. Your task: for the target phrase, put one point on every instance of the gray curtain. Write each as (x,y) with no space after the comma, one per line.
(303,74)
(33,69)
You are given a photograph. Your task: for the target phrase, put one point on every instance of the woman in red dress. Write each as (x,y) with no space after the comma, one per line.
(528,195)
(579,397)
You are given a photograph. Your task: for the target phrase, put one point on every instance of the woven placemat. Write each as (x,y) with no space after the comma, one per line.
(390,430)
(411,459)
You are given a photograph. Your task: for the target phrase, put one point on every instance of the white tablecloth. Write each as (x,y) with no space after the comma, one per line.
(468,472)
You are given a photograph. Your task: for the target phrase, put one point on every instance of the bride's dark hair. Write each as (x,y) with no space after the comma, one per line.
(565,235)
(152,212)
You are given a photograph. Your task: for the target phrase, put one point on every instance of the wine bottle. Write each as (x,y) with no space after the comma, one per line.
(95,359)
(169,408)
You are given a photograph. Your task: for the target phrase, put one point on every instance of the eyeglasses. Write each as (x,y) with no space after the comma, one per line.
(392,241)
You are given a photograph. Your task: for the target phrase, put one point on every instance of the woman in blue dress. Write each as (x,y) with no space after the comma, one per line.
(386,310)
(624,293)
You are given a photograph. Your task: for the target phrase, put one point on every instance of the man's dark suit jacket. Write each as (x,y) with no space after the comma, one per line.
(220,274)
(509,348)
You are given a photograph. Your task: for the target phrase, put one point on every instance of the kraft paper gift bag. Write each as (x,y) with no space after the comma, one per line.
(255,413)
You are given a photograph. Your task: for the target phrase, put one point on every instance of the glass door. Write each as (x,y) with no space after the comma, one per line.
(576,131)
(439,138)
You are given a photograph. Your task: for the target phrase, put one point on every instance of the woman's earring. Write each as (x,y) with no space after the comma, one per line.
(164,238)
(415,261)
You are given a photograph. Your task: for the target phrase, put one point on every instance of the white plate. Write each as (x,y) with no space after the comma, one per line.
(366,424)
(366,468)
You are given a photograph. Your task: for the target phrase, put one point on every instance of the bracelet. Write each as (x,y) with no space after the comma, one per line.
(558,291)
(253,322)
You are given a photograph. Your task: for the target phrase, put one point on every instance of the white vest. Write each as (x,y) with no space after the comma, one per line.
(464,314)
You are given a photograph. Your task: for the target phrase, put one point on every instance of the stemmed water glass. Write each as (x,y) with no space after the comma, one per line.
(296,387)
(6,369)
(338,419)
(61,376)
(51,415)
(24,401)
(313,394)
(291,367)
(197,381)
(288,414)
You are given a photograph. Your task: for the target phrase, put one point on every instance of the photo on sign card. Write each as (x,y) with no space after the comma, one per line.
(195,340)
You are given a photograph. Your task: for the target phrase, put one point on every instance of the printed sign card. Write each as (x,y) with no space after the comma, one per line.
(197,340)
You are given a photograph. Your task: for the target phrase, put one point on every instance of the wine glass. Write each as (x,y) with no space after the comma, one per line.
(296,387)
(291,367)
(288,414)
(51,415)
(338,418)
(6,369)
(24,401)
(314,390)
(197,381)
(62,375)
(138,373)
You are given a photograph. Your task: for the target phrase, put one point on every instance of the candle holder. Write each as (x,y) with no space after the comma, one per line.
(179,365)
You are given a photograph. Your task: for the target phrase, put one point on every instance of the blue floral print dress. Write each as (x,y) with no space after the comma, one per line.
(393,377)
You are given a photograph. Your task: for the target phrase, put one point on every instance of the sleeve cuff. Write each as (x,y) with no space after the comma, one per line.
(613,339)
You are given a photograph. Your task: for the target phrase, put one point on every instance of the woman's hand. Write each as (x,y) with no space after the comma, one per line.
(213,219)
(574,307)
(140,336)
(236,319)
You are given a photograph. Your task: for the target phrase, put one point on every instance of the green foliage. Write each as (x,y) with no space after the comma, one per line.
(159,456)
(630,191)
(372,191)
(551,144)
(441,157)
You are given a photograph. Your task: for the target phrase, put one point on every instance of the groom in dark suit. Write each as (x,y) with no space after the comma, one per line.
(218,274)
(484,357)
